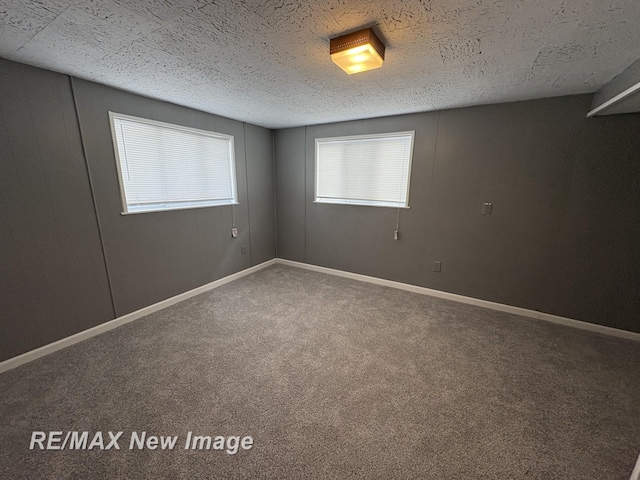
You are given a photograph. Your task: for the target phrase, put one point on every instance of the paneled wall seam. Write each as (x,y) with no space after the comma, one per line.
(45,176)
(275,196)
(305,193)
(429,195)
(246,179)
(556,250)
(38,334)
(93,196)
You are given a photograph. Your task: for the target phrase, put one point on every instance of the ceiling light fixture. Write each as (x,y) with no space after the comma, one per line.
(357,52)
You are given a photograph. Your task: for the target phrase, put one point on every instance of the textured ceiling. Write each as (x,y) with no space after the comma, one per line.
(267,62)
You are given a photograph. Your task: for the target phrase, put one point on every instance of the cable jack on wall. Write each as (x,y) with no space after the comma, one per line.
(396,232)
(234,229)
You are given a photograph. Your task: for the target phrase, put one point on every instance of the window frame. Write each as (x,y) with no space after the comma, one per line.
(207,133)
(363,203)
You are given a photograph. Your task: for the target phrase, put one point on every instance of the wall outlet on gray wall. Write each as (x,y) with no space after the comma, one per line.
(486,208)
(243,249)
(437,266)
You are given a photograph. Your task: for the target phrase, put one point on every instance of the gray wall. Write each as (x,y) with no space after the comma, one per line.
(596,268)
(53,281)
(58,252)
(564,190)
(290,192)
(154,256)
(261,201)
(562,238)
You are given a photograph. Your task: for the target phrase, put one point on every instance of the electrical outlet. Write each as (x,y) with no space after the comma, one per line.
(234,232)
(486,208)
(437,266)
(243,249)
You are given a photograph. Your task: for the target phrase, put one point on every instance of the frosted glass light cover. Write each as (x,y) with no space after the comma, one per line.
(358,59)
(357,52)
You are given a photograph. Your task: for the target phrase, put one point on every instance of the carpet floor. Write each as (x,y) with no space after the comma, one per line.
(332,378)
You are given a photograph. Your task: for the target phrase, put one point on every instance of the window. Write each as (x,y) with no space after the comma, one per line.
(168,167)
(364,169)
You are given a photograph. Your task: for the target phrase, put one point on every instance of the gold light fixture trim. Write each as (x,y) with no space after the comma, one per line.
(357,52)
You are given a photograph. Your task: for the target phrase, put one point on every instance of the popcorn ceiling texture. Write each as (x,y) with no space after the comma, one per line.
(268,62)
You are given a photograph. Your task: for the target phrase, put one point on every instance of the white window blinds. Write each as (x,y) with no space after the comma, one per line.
(167,167)
(365,169)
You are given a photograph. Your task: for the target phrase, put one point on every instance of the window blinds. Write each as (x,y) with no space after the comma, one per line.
(364,170)
(167,167)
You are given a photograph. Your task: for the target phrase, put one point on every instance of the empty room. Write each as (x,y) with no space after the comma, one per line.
(320,239)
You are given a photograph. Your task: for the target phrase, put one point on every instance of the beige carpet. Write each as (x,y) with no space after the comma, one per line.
(332,378)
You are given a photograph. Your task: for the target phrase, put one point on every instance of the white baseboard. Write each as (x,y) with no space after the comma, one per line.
(635,475)
(110,325)
(130,317)
(593,327)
